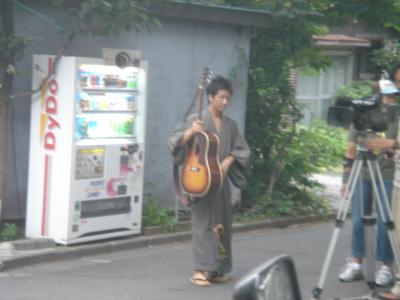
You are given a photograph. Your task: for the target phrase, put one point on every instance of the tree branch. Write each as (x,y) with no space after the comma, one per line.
(58,56)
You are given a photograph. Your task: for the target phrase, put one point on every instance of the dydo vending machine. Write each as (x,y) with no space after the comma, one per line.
(86,149)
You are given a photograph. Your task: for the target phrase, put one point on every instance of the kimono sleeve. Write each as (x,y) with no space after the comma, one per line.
(241,152)
(178,152)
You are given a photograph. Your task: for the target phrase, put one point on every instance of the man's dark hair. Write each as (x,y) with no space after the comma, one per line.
(219,83)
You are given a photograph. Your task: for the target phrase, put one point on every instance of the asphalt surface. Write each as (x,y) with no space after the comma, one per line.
(163,271)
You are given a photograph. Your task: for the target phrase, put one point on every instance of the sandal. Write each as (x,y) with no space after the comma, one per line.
(217,277)
(388,296)
(200,279)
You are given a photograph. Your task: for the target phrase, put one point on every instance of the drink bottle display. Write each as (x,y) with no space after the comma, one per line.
(103,126)
(105,92)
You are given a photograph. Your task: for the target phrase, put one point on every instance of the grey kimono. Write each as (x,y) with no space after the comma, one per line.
(212,215)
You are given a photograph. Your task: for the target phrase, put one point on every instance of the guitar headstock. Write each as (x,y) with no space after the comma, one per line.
(206,78)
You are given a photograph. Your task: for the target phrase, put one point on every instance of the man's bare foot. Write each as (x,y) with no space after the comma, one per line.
(199,279)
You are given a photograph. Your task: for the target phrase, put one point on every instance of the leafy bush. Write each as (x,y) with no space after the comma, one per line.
(9,232)
(356,89)
(153,215)
(293,202)
(321,147)
(311,150)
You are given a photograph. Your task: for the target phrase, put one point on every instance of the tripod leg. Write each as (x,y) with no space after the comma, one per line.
(385,211)
(348,193)
(369,223)
(340,218)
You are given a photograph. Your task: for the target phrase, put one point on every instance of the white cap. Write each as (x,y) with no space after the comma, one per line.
(387,87)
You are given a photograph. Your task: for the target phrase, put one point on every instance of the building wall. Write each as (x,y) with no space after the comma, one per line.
(177,52)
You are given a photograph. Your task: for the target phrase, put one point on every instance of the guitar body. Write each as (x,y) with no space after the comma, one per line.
(201,172)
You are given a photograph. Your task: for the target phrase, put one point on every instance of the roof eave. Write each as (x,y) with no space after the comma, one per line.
(214,14)
(342,44)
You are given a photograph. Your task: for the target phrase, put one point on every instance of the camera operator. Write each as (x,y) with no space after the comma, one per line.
(353,269)
(390,144)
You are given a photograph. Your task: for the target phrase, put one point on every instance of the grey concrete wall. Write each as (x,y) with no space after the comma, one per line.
(176,52)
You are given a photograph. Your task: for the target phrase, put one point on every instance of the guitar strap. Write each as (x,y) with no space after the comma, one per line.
(190,108)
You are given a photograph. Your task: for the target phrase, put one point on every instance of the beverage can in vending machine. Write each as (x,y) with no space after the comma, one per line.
(95,80)
(81,128)
(83,79)
(131,82)
(128,125)
(130,102)
(92,128)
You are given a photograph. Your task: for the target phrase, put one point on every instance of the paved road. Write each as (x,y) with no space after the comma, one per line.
(332,182)
(162,272)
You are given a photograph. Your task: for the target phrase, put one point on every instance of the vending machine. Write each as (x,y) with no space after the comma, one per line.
(87,148)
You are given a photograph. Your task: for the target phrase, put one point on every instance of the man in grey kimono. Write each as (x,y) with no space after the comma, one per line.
(212,215)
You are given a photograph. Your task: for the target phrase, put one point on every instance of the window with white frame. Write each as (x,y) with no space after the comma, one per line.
(317,93)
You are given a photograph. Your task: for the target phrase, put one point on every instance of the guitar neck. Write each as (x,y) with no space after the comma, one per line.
(199,100)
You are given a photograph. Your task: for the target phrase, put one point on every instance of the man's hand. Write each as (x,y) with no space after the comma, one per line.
(197,126)
(377,143)
(226,164)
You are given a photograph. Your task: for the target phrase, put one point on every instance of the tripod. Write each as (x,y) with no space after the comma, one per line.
(366,158)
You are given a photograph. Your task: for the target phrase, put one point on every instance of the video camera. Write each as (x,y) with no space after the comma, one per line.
(367,113)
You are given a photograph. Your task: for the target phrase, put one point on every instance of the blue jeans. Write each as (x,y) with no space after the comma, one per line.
(383,249)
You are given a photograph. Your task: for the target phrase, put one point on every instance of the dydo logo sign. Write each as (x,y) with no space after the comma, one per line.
(49,110)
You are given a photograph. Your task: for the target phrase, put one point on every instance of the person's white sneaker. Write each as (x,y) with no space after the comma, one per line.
(352,271)
(384,276)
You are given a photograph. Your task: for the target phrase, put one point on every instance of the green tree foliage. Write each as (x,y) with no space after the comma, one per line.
(387,56)
(280,166)
(75,18)
(356,89)
(285,156)
(104,18)
(11,47)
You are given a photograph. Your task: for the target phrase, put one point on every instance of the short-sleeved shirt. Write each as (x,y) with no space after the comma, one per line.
(386,164)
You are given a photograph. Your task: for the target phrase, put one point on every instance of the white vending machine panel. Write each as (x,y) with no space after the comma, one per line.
(86,150)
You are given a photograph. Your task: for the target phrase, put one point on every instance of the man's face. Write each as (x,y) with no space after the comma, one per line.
(220,101)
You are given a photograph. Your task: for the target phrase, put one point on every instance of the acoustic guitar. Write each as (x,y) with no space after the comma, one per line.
(201,173)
